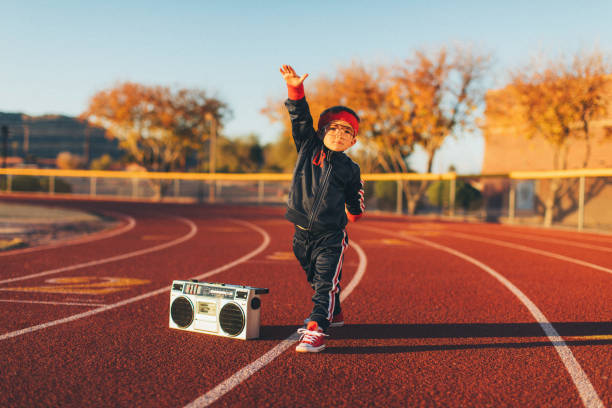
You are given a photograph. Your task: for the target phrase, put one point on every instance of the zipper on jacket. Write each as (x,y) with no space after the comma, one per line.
(322,191)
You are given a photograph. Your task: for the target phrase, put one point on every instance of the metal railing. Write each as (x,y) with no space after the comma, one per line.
(581,175)
(515,197)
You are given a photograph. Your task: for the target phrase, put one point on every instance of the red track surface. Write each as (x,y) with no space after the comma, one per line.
(425,327)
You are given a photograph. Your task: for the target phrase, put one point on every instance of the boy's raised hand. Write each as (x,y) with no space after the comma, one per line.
(291,78)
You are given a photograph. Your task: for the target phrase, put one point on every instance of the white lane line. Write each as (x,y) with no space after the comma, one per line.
(50,303)
(247,371)
(264,245)
(131,222)
(532,250)
(165,289)
(587,392)
(191,233)
(603,238)
(549,240)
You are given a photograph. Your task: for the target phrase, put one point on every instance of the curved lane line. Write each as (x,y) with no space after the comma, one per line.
(532,250)
(165,289)
(131,223)
(189,235)
(264,245)
(40,302)
(587,392)
(602,237)
(242,375)
(549,240)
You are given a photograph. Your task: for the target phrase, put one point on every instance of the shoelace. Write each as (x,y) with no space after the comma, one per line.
(310,336)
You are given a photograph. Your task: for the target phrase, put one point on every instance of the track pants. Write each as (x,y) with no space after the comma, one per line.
(321,256)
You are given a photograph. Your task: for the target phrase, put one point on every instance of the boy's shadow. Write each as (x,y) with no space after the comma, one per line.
(452,331)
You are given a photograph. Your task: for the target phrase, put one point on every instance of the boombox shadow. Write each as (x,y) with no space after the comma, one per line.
(574,333)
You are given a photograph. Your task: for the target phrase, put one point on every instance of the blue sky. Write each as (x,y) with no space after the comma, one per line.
(54,55)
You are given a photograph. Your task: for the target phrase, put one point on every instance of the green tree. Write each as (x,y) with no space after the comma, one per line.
(466,196)
(242,155)
(103,162)
(280,156)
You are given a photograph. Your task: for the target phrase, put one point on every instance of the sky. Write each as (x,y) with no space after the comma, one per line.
(55,55)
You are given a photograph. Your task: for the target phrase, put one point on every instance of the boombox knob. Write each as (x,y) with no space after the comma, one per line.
(255,303)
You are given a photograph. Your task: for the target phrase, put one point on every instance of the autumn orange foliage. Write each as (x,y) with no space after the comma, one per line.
(421,101)
(556,100)
(158,126)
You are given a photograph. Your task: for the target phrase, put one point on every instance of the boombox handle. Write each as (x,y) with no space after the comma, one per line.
(258,291)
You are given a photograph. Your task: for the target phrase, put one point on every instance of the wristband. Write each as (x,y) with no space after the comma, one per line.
(295,92)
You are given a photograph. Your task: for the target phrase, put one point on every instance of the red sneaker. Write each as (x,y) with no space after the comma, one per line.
(312,340)
(337,320)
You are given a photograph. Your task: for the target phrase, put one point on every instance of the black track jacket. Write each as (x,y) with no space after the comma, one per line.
(324,181)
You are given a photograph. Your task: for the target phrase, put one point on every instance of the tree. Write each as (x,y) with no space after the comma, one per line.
(466,196)
(557,101)
(103,162)
(422,101)
(158,126)
(243,155)
(280,156)
(69,161)
(436,95)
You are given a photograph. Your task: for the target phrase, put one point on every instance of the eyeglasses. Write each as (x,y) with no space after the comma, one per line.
(345,132)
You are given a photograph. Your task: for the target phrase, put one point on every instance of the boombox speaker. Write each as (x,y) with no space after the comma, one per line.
(216,308)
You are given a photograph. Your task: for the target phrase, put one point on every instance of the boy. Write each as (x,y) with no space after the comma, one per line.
(326,191)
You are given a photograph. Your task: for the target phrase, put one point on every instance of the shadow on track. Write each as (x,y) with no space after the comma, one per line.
(452,331)
(450,347)
(448,330)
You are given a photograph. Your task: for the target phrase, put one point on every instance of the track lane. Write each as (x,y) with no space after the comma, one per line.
(549,240)
(460,349)
(154,269)
(77,279)
(573,297)
(126,223)
(242,375)
(401,349)
(587,392)
(597,238)
(125,333)
(240,352)
(600,255)
(115,258)
(138,238)
(592,256)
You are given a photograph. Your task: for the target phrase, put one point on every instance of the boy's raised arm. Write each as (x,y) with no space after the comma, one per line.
(302,128)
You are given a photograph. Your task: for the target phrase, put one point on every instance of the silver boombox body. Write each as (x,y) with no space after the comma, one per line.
(216,308)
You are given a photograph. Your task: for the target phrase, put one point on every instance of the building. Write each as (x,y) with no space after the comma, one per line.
(42,138)
(506,150)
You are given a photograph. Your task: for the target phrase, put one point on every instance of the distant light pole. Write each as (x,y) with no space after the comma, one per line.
(212,156)
(5,134)
(26,142)
(87,143)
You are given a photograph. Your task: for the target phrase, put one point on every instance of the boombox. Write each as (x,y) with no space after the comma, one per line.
(216,308)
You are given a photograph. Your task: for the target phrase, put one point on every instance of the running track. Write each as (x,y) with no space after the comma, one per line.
(438,314)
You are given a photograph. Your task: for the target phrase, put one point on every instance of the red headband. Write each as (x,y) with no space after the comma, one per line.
(328,117)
